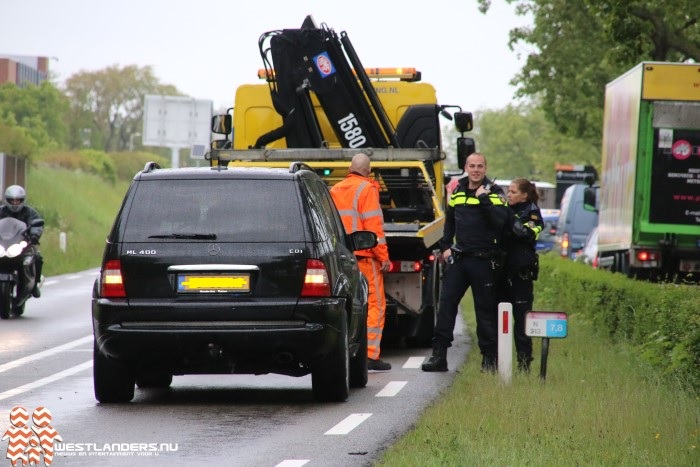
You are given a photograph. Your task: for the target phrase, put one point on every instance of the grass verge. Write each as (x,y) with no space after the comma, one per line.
(79,204)
(599,405)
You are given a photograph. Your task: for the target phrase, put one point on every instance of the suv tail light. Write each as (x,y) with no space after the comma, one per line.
(316,283)
(112,282)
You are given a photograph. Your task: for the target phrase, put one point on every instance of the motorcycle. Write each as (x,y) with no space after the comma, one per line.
(15,252)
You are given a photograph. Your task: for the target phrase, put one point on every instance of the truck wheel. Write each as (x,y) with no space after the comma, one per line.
(330,380)
(358,363)
(624,263)
(424,336)
(5,300)
(112,382)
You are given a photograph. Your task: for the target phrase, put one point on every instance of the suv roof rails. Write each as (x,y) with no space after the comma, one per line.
(150,166)
(298,165)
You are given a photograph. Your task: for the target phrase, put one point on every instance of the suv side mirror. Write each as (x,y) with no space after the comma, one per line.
(362,240)
(465,147)
(221,124)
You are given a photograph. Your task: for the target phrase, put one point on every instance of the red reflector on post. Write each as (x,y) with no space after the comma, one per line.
(505,322)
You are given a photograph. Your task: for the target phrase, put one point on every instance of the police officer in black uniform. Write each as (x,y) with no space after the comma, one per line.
(475,221)
(30,275)
(522,264)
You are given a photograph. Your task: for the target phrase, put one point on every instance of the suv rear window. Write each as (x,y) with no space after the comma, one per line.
(232,210)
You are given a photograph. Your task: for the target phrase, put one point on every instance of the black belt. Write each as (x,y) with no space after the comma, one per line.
(477,253)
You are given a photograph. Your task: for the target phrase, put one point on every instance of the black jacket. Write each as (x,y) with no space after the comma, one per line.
(523,228)
(474,224)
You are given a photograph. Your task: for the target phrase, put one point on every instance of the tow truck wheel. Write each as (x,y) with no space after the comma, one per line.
(424,337)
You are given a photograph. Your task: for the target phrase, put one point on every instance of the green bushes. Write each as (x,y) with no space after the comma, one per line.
(661,321)
(110,167)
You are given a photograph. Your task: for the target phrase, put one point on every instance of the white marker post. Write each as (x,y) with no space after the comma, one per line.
(505,341)
(62,241)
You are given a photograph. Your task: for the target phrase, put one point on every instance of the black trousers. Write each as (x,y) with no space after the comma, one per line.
(519,292)
(480,274)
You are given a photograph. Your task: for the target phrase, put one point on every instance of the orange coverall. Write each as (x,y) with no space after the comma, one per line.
(357,200)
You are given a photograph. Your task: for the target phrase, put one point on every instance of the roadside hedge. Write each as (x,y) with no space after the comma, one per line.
(661,320)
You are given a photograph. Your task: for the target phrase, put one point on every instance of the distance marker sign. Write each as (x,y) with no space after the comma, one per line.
(546,324)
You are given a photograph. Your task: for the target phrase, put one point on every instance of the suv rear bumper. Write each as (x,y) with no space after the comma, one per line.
(215,346)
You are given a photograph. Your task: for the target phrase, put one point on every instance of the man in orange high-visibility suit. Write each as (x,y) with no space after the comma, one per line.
(357,200)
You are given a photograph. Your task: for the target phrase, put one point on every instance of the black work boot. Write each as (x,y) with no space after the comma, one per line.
(524,363)
(489,364)
(438,360)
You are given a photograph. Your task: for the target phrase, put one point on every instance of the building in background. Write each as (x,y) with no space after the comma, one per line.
(23,69)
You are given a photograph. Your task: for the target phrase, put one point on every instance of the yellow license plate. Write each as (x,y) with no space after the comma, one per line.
(213,283)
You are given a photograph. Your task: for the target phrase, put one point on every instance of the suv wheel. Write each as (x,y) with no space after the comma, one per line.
(330,380)
(358,363)
(113,382)
(154,380)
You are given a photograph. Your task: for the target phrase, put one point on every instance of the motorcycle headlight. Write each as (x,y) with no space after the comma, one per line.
(16,249)
(2,251)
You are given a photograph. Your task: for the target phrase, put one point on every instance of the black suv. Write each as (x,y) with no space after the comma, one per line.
(229,271)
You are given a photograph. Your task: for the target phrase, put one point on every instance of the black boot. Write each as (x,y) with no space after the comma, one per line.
(489,364)
(438,360)
(524,363)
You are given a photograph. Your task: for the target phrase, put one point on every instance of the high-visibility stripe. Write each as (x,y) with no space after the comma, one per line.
(461,198)
(357,200)
(368,214)
(537,229)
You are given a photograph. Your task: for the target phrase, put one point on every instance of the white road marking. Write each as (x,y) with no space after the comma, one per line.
(293,463)
(49,283)
(45,353)
(75,276)
(414,362)
(350,423)
(391,389)
(44,381)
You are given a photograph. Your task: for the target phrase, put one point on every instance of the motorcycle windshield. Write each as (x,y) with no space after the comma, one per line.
(11,228)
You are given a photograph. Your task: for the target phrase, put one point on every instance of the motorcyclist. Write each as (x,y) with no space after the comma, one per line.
(30,275)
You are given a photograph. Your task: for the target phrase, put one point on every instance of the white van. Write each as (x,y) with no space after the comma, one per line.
(575,222)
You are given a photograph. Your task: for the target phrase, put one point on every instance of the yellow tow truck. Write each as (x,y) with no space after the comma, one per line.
(319,105)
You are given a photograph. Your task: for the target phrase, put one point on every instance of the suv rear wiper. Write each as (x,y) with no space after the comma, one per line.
(187,236)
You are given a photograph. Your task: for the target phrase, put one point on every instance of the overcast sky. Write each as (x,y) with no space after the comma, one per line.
(206,48)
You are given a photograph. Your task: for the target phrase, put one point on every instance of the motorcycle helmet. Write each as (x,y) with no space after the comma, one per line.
(14,198)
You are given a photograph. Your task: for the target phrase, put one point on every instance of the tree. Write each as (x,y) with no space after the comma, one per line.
(14,140)
(518,141)
(39,110)
(579,46)
(107,105)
